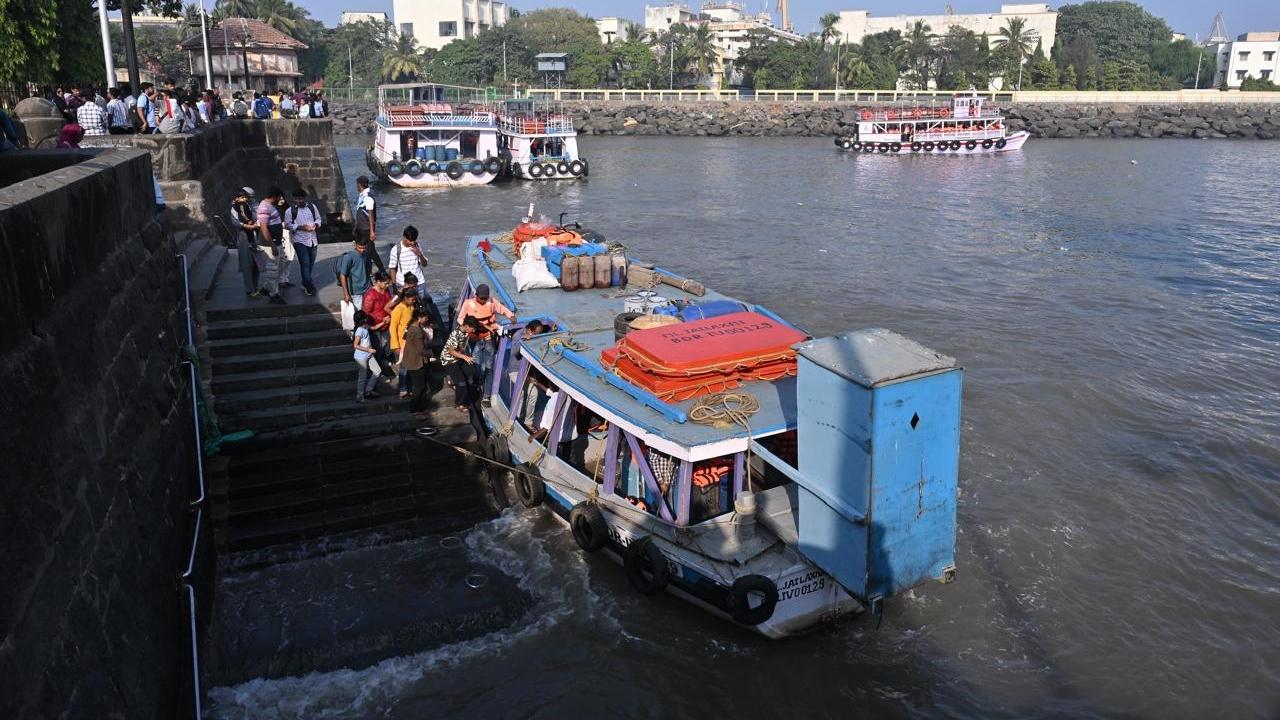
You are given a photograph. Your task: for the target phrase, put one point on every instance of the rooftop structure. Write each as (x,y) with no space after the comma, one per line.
(662,17)
(272,56)
(437,23)
(1040,20)
(612,28)
(1252,55)
(355,16)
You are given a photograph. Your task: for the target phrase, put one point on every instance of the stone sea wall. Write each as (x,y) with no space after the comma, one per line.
(829,119)
(96,441)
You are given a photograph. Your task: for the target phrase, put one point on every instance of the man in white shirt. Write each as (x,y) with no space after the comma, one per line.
(406,257)
(117,114)
(302,221)
(90,116)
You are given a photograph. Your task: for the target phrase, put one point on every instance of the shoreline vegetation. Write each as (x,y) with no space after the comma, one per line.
(714,119)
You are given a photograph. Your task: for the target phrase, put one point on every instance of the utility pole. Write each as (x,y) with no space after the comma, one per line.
(671,55)
(204,38)
(244,52)
(130,46)
(351,77)
(1199,59)
(504,58)
(226,55)
(838,44)
(107,60)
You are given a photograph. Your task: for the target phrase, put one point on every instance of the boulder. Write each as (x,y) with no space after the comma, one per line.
(34,107)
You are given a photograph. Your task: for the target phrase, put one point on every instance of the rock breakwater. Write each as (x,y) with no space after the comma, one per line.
(828,119)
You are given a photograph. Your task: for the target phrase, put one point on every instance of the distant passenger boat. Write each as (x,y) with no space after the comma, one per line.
(423,141)
(540,140)
(824,484)
(965,128)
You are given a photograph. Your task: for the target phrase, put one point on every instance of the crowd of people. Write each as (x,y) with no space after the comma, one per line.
(169,109)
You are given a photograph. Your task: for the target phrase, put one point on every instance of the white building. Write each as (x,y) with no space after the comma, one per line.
(1040,20)
(436,23)
(610,29)
(1253,54)
(355,16)
(658,18)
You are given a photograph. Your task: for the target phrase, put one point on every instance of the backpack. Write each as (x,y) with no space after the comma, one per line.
(240,108)
(261,109)
(314,213)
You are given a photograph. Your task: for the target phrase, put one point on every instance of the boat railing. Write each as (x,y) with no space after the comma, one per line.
(406,119)
(986,134)
(926,113)
(553,125)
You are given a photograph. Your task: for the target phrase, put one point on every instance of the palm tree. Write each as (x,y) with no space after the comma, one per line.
(700,49)
(1014,43)
(915,52)
(279,14)
(828,24)
(632,31)
(402,62)
(234,8)
(858,74)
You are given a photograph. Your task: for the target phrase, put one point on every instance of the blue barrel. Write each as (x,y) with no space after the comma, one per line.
(451,154)
(422,153)
(710,309)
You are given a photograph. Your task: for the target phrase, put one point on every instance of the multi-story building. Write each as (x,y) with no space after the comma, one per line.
(658,18)
(611,28)
(355,16)
(732,28)
(436,23)
(1252,55)
(1040,20)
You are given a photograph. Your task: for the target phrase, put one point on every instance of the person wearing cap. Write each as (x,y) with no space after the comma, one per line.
(244,224)
(485,310)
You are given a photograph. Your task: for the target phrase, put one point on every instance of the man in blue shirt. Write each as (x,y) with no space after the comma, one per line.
(262,106)
(355,275)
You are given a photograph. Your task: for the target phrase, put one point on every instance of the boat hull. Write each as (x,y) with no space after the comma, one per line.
(439,179)
(1012,142)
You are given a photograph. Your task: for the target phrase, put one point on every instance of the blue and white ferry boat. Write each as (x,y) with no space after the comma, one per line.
(829,487)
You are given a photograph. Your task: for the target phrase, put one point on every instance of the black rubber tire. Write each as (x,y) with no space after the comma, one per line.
(915,147)
(576,168)
(955,144)
(622,323)
(548,170)
(515,170)
(395,169)
(839,141)
(433,168)
(971,145)
(740,608)
(586,169)
(530,489)
(562,168)
(453,170)
(589,529)
(639,554)
(476,167)
(500,478)
(869,148)
(1001,143)
(895,147)
(413,168)
(535,170)
(928,146)
(856,145)
(986,144)
(493,166)
(845,144)
(883,147)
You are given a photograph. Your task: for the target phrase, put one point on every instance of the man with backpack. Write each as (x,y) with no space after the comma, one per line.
(147,109)
(239,108)
(406,257)
(262,106)
(302,221)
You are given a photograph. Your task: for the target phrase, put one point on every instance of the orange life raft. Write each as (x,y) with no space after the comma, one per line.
(525,232)
(685,360)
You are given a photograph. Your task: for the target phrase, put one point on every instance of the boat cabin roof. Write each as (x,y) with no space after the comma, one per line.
(588,315)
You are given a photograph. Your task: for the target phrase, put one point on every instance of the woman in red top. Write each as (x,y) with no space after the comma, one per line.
(376,299)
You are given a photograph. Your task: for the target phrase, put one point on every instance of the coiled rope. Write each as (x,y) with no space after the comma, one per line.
(724,409)
(557,346)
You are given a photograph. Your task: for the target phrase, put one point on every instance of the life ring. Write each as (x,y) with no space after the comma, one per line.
(395,169)
(535,170)
(562,167)
(895,147)
(883,147)
(1000,143)
(643,556)
(915,147)
(493,166)
(433,167)
(746,589)
(986,144)
(413,168)
(453,170)
(476,167)
(588,527)
(971,144)
(529,486)
(576,167)
(928,146)
(955,144)
(515,170)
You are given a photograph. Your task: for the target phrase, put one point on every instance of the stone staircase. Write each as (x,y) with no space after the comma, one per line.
(318,464)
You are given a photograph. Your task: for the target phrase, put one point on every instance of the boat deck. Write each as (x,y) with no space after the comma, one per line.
(588,316)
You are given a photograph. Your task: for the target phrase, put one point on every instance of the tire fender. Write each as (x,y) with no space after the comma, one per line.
(530,489)
(589,529)
(748,589)
(640,553)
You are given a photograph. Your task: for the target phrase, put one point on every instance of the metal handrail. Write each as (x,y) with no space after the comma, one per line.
(185,578)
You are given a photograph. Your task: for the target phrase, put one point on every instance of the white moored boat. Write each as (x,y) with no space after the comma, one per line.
(968,127)
(425,140)
(541,140)
(826,485)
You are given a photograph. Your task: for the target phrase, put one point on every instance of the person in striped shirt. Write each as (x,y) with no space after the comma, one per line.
(91,117)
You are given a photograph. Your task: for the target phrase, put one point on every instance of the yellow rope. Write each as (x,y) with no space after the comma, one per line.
(559,344)
(724,409)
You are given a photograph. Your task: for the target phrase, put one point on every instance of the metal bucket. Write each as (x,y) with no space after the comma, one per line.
(653,302)
(635,303)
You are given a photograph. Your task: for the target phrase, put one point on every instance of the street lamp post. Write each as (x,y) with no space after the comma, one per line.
(108,61)
(671,55)
(204,39)
(1021,61)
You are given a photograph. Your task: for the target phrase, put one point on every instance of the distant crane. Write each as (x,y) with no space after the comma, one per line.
(1217,32)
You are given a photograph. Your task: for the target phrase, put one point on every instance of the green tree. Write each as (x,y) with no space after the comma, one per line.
(1079,52)
(915,54)
(1252,84)
(1068,79)
(1178,60)
(1132,75)
(982,73)
(1013,42)
(1111,75)
(636,65)
(234,8)
(400,61)
(281,15)
(828,23)
(959,59)
(700,47)
(1121,30)
(858,74)
(362,44)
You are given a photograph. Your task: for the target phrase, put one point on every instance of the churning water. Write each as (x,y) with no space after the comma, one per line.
(1119,546)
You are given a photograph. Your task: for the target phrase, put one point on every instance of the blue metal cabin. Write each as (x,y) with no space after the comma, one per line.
(879,452)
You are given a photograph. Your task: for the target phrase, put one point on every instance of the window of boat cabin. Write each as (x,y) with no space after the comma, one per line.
(763,475)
